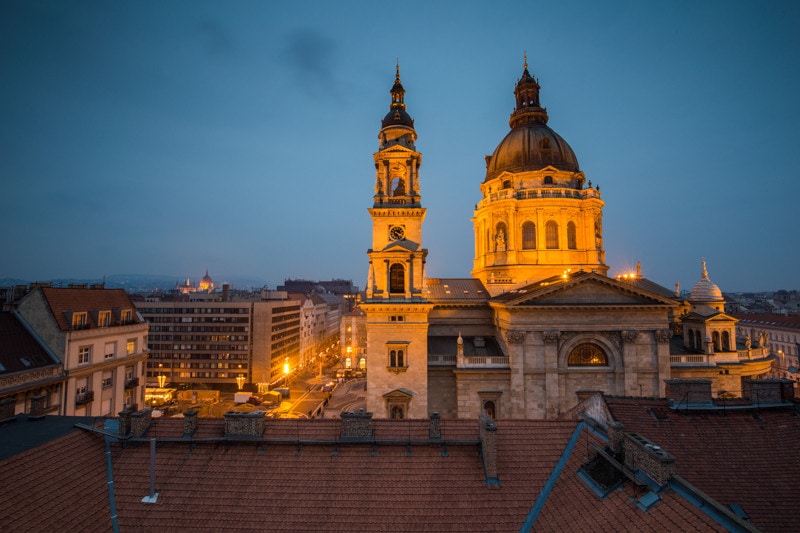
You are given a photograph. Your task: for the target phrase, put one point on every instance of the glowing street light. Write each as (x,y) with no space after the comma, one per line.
(240,379)
(161,377)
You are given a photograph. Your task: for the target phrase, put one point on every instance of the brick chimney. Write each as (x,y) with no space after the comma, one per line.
(435,429)
(356,425)
(140,422)
(189,423)
(644,456)
(244,425)
(37,407)
(686,391)
(488,436)
(124,423)
(775,390)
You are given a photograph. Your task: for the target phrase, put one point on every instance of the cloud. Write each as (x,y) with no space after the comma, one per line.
(310,56)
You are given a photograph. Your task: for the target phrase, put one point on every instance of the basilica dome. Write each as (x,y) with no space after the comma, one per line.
(531,144)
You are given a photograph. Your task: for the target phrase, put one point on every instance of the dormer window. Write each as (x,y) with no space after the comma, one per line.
(125,316)
(548,180)
(79,321)
(104,319)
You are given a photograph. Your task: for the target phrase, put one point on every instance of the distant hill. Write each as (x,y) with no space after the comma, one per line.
(137,282)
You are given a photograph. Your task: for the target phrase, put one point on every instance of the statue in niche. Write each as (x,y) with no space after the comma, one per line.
(400,189)
(748,342)
(500,240)
(598,231)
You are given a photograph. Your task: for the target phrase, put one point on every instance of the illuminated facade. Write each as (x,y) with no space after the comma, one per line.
(540,325)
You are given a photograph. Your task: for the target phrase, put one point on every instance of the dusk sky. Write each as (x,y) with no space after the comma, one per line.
(156,137)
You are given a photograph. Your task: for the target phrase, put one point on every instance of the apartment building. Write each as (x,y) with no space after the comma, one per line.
(222,341)
(101,341)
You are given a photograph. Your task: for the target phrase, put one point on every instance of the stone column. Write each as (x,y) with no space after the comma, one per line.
(552,387)
(516,362)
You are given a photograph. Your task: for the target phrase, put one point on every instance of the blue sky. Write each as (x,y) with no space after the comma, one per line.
(170,137)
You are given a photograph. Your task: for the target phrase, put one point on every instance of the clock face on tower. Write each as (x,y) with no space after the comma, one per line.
(397,233)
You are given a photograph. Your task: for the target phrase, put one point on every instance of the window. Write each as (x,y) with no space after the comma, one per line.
(572,240)
(79,321)
(126,316)
(397,412)
(551,234)
(107,380)
(548,180)
(716,341)
(395,318)
(104,319)
(587,355)
(489,409)
(528,235)
(84,355)
(726,341)
(130,347)
(111,349)
(397,356)
(397,278)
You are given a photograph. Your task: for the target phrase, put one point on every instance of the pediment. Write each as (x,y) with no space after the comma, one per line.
(399,394)
(581,290)
(404,245)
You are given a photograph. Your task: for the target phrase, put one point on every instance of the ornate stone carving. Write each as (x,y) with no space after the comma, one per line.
(550,337)
(662,336)
(630,335)
(515,337)
(614,337)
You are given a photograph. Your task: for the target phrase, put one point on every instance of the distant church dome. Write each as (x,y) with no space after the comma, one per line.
(531,144)
(705,290)
(206,284)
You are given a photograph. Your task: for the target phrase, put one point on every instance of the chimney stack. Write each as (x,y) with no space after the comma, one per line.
(689,391)
(488,435)
(356,425)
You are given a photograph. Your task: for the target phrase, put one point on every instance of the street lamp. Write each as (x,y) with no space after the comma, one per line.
(161,377)
(240,379)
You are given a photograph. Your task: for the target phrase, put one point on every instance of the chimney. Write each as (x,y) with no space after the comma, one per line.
(7,406)
(645,457)
(140,423)
(435,429)
(775,390)
(488,435)
(226,292)
(356,425)
(189,423)
(616,433)
(37,407)
(688,391)
(124,423)
(244,425)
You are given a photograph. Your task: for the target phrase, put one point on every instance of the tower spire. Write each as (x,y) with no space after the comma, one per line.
(528,110)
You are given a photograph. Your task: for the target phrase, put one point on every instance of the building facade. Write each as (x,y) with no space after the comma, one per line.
(211,341)
(101,341)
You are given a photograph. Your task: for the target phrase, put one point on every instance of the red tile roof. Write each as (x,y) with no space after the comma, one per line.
(207,483)
(745,457)
(61,300)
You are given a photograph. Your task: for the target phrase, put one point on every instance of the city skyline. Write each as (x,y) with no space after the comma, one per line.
(153,139)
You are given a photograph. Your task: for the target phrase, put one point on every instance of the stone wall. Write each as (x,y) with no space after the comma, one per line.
(244,424)
(356,425)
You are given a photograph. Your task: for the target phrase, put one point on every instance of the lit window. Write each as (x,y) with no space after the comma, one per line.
(130,347)
(125,316)
(79,321)
(104,319)
(587,355)
(551,234)
(84,355)
(528,235)
(572,240)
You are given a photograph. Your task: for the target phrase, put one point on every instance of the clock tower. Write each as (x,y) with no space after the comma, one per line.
(395,305)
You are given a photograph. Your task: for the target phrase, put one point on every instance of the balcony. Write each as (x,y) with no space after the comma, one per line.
(545,192)
(84,397)
(130,383)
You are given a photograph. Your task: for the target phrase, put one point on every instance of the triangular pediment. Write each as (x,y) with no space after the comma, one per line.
(582,289)
(403,245)
(398,394)
(396,149)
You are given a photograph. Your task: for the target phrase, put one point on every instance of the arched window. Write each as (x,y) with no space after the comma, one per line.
(697,342)
(715,340)
(691,339)
(397,278)
(507,184)
(528,235)
(587,354)
(551,234)
(489,409)
(548,180)
(726,342)
(572,239)
(396,412)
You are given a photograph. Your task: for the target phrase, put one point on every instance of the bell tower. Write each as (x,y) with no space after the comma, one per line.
(395,305)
